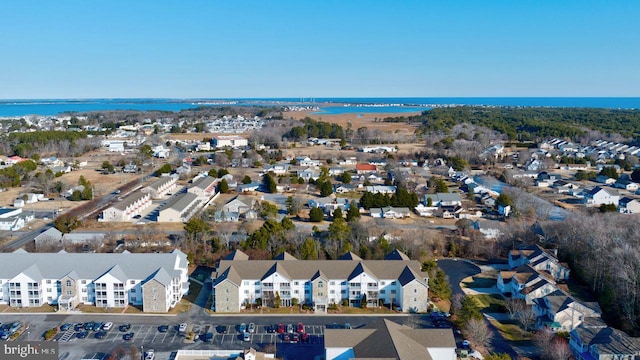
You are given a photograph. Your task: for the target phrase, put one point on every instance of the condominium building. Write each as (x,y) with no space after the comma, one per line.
(180,208)
(126,209)
(161,187)
(155,282)
(319,283)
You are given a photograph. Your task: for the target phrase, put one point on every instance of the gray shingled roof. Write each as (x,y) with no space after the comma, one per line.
(160,182)
(132,198)
(396,255)
(204,182)
(161,276)
(385,339)
(181,202)
(87,266)
(332,269)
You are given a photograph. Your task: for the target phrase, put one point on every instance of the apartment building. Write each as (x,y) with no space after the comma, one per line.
(319,283)
(180,208)
(126,209)
(155,282)
(204,187)
(161,187)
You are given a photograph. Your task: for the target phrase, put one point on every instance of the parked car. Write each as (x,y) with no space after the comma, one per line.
(242,328)
(182,327)
(100,334)
(149,355)
(290,328)
(286,337)
(163,328)
(304,338)
(280,328)
(271,328)
(98,326)
(124,327)
(208,337)
(107,326)
(78,326)
(300,328)
(88,325)
(65,327)
(82,334)
(251,328)
(347,326)
(128,336)
(221,329)
(246,336)
(295,337)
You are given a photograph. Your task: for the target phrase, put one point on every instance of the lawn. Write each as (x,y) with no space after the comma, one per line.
(490,303)
(511,332)
(194,290)
(39,309)
(90,309)
(478,282)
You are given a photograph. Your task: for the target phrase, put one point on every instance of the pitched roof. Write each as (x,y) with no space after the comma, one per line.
(385,339)
(236,255)
(130,199)
(204,182)
(609,340)
(276,268)
(284,256)
(161,276)
(349,256)
(181,202)
(359,269)
(396,255)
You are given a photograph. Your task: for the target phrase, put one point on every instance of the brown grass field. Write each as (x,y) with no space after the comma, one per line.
(372,121)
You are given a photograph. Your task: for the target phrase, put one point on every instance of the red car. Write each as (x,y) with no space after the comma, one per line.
(300,328)
(280,328)
(304,338)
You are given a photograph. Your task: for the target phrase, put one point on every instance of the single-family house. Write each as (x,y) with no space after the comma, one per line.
(543,260)
(381,189)
(390,212)
(278,169)
(524,282)
(601,196)
(254,186)
(443,199)
(628,205)
(240,204)
(603,179)
(626,184)
(365,168)
(491,229)
(308,174)
(344,188)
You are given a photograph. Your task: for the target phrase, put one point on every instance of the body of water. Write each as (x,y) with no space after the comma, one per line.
(326,105)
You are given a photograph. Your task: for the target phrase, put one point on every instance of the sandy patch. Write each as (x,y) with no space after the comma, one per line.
(370,120)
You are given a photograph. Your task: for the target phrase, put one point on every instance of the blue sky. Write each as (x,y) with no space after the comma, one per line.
(226,49)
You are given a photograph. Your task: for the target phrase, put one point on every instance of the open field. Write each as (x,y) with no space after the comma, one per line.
(372,121)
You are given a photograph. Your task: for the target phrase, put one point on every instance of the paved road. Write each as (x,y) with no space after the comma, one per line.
(457,270)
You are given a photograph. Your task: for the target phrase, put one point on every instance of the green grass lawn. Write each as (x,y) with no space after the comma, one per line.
(478,282)
(490,303)
(511,332)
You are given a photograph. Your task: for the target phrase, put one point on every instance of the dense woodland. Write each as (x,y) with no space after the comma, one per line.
(529,123)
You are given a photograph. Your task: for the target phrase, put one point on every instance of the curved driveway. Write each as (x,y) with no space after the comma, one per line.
(456,271)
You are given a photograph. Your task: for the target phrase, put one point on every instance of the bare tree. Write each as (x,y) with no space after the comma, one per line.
(514,306)
(478,333)
(526,317)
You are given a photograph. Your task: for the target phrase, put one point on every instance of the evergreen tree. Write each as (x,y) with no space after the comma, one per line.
(345,178)
(316,215)
(269,183)
(246,180)
(223,186)
(353,213)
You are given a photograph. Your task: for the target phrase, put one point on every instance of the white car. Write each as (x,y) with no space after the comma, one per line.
(182,327)
(149,355)
(251,328)
(107,326)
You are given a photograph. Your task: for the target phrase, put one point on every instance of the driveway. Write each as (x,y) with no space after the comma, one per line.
(456,271)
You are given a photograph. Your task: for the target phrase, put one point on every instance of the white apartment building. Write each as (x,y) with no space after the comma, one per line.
(156,282)
(126,209)
(233,141)
(161,187)
(319,283)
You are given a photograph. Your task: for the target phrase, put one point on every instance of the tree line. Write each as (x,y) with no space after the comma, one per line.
(530,123)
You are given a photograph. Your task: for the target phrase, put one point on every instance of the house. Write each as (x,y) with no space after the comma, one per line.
(49,236)
(365,168)
(233,141)
(627,205)
(385,339)
(594,340)
(543,260)
(443,199)
(305,161)
(240,204)
(226,216)
(344,188)
(565,187)
(278,169)
(180,208)
(348,161)
(491,229)
(308,174)
(335,171)
(254,186)
(450,211)
(561,312)
(603,179)
(319,283)
(601,196)
(130,168)
(425,211)
(126,209)
(626,184)
(161,187)
(153,281)
(390,212)
(381,189)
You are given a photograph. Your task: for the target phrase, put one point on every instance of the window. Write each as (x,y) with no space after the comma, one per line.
(296,283)
(372,284)
(332,292)
(246,283)
(246,292)
(132,282)
(48,282)
(68,292)
(415,291)
(83,282)
(415,299)
(133,298)
(226,290)
(68,282)
(320,284)
(382,292)
(48,289)
(295,291)
(133,290)
(84,290)
(332,283)
(382,283)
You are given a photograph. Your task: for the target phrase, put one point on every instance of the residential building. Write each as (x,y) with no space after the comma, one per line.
(601,196)
(365,168)
(240,204)
(278,169)
(628,205)
(443,199)
(204,187)
(233,141)
(13,219)
(542,260)
(390,212)
(381,189)
(561,312)
(319,283)
(180,208)
(161,187)
(626,184)
(385,339)
(156,282)
(594,340)
(126,209)
(254,186)
(524,282)
(490,229)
